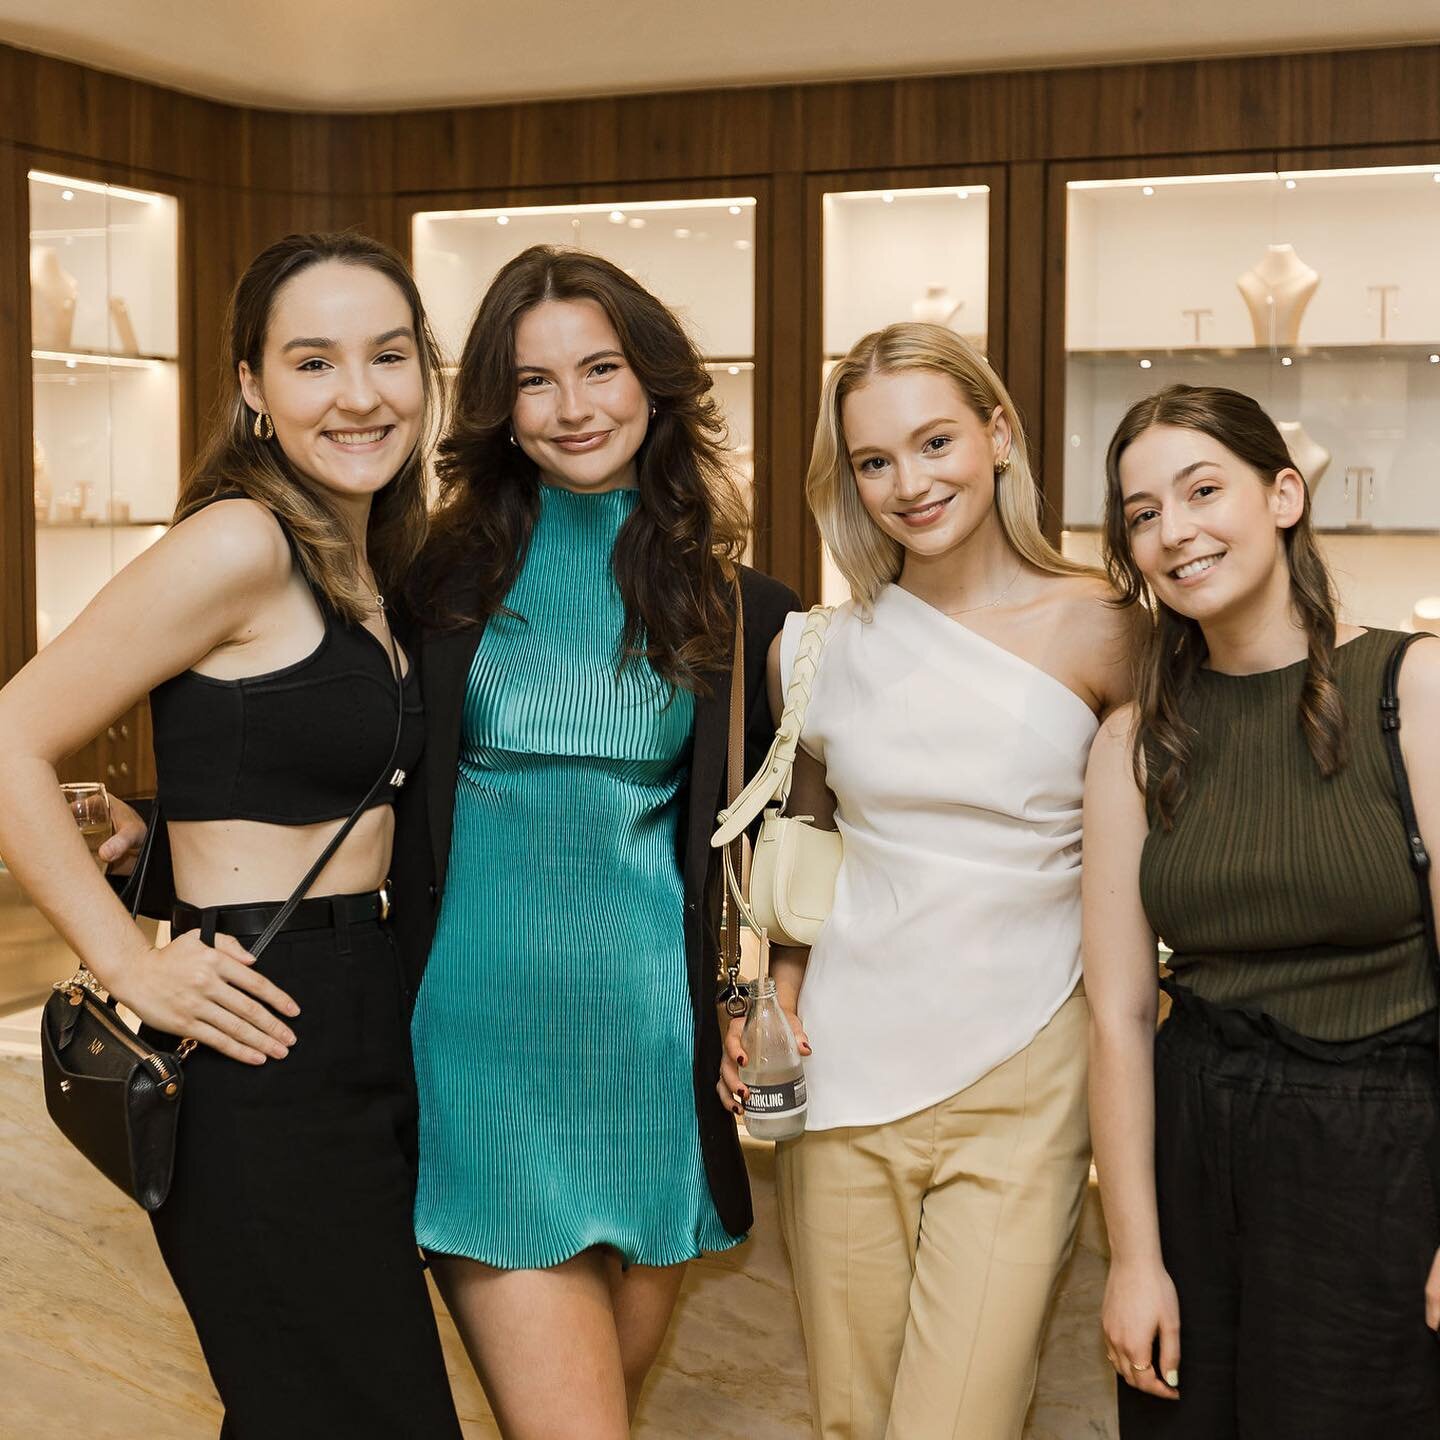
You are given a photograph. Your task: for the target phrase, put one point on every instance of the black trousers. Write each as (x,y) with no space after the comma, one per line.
(1299,1218)
(288,1229)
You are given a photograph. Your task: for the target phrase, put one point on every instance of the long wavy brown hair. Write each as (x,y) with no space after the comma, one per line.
(1172,647)
(673,556)
(233,460)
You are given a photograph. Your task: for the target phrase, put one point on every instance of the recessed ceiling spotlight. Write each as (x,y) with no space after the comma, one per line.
(734,369)
(1145,364)
(742,244)
(681,233)
(70,194)
(962,194)
(617,217)
(1435,359)
(1286,360)
(502,219)
(888,198)
(1148,190)
(734,209)
(1289,184)
(637,223)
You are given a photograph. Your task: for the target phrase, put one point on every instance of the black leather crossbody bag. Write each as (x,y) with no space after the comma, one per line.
(115,1098)
(1415,844)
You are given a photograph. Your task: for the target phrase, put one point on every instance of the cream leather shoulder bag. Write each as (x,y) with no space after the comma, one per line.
(793,869)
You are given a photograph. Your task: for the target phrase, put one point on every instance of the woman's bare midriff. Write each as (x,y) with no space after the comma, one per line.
(237,862)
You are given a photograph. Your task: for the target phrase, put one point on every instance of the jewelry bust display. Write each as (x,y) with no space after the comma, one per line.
(1276,290)
(1310,456)
(53,291)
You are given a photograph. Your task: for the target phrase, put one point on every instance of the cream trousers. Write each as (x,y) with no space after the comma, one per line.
(925,1251)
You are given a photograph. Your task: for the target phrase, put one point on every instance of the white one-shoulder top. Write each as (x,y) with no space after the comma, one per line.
(958,770)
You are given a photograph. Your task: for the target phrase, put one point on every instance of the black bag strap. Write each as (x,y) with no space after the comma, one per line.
(381,780)
(1415,844)
(136,884)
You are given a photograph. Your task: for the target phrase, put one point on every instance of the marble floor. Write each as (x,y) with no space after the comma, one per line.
(77,1264)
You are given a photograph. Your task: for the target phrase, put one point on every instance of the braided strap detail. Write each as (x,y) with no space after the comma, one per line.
(772,782)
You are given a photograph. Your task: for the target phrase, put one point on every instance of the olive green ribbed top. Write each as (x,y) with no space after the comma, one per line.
(1280,890)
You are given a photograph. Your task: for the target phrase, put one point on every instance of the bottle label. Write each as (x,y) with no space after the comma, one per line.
(775,1099)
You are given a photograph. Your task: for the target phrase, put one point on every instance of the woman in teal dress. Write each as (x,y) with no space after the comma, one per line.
(578,594)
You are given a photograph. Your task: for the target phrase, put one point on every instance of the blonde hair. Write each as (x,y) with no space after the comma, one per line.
(867,557)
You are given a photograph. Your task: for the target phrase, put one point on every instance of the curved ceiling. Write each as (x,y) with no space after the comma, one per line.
(364,55)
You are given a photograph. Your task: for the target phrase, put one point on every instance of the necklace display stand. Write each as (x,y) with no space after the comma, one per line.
(1276,291)
(1311,458)
(53,291)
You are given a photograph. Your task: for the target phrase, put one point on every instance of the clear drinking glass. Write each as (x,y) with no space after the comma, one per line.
(89,803)
(773,1073)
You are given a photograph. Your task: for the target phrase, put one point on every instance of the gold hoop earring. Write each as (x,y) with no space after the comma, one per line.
(264,426)
(513,440)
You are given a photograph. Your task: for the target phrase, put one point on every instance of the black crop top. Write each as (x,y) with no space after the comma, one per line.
(296,746)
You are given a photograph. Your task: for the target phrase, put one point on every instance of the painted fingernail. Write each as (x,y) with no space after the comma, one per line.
(1172,1379)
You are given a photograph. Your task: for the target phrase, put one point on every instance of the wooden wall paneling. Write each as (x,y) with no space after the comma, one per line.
(1021,361)
(17,506)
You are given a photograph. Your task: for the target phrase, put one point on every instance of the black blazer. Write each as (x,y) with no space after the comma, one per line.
(426,811)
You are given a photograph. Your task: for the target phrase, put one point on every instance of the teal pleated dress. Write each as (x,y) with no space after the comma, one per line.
(553,1033)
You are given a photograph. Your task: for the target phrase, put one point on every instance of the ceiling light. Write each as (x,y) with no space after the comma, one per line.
(1286,360)
(681,233)
(617,217)
(1289,184)
(1145,364)
(888,198)
(70,194)
(734,209)
(502,219)
(1148,190)
(742,244)
(962,194)
(734,369)
(637,223)
(1435,359)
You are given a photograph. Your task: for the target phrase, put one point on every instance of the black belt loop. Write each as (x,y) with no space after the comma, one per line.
(208,926)
(342,935)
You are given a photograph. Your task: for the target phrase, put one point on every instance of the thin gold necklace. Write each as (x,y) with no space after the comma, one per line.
(990,604)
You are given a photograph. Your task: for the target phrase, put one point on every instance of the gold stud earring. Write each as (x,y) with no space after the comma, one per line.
(264,426)
(1003,466)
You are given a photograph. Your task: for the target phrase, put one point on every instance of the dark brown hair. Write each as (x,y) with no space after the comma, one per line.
(233,458)
(1172,647)
(673,555)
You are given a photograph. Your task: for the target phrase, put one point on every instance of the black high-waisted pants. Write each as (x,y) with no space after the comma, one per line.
(288,1229)
(1299,1218)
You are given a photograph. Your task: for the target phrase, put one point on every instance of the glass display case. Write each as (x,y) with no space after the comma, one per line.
(902,254)
(105,370)
(698,256)
(1312,290)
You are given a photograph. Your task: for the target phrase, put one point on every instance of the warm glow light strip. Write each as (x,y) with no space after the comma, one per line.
(1253,177)
(636,207)
(120,192)
(897,193)
(128,362)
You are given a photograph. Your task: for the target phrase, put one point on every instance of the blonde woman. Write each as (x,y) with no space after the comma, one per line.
(933,1199)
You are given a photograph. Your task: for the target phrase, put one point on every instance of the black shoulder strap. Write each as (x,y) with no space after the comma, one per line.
(1419,856)
(381,780)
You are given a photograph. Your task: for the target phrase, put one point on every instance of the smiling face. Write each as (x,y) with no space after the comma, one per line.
(923,461)
(341,377)
(1204,528)
(580,410)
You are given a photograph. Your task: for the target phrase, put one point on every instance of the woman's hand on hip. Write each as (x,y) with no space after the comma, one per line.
(211,994)
(1141,1307)
(1432,1295)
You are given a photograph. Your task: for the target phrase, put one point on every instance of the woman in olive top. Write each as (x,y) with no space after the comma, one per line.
(1272,1193)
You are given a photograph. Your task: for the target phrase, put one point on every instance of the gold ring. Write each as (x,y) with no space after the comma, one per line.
(1139,1369)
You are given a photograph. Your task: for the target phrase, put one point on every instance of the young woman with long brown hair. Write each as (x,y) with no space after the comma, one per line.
(579,594)
(255,623)
(933,1198)
(1269,1162)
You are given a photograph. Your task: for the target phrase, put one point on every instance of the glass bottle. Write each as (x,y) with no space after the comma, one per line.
(774,1077)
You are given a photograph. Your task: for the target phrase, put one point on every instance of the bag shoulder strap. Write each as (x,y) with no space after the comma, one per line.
(772,781)
(1415,844)
(385,777)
